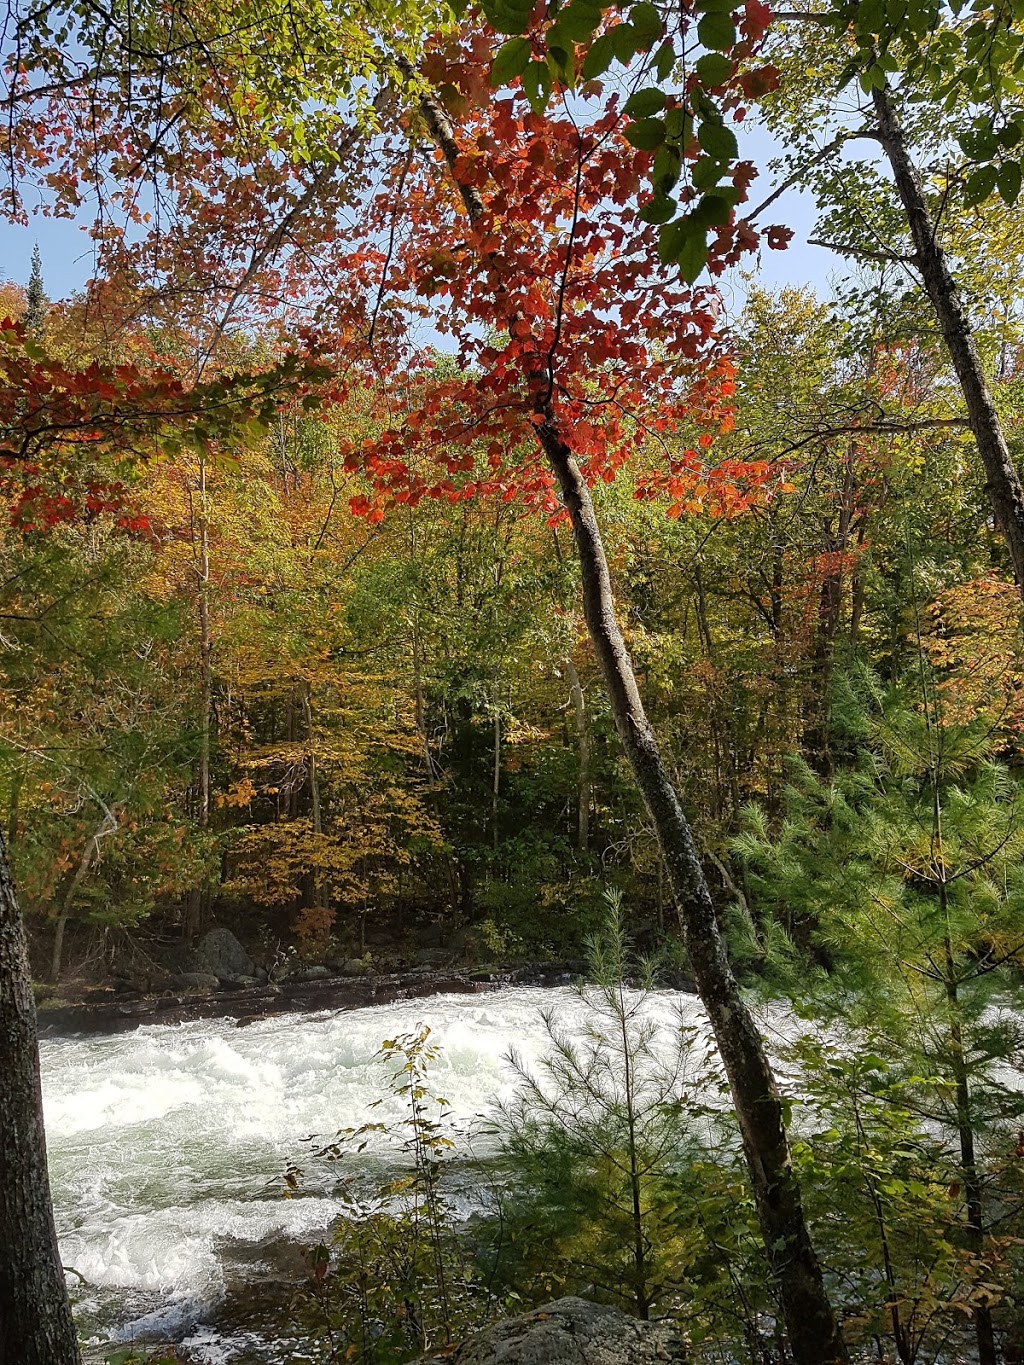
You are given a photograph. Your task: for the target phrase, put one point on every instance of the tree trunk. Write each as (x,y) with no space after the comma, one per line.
(36,1327)
(108,826)
(583,736)
(1002,482)
(814,1334)
(973,1197)
(321,893)
(57,953)
(195,900)
(496,770)
(813,1331)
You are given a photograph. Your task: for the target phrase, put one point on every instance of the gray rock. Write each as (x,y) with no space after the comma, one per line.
(232,982)
(221,953)
(199,981)
(573,1332)
(351,966)
(314,973)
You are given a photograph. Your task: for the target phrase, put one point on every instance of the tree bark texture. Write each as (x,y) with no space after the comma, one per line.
(36,1326)
(1002,482)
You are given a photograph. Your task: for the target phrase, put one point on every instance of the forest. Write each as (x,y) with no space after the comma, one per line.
(430,541)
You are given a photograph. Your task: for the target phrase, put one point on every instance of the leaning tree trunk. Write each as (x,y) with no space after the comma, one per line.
(1006,494)
(36,1327)
(814,1335)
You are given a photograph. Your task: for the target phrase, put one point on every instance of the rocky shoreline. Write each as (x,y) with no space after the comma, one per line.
(112,1011)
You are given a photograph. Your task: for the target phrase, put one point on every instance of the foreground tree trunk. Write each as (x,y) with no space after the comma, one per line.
(36,1327)
(814,1335)
(1006,495)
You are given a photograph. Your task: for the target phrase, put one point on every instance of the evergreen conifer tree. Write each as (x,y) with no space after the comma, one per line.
(903,873)
(37,302)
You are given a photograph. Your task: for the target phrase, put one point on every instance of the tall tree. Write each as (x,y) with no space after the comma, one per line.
(504,256)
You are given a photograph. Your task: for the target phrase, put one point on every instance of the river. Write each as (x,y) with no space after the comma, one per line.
(168,1145)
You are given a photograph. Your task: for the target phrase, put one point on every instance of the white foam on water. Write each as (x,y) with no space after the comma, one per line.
(167,1145)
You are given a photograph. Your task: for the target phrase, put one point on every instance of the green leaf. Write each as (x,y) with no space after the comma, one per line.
(718,141)
(647,22)
(506,16)
(717,31)
(981,144)
(646,135)
(600,57)
(713,210)
(625,40)
(1008,181)
(659,209)
(671,239)
(706,172)
(510,61)
(537,85)
(578,21)
(664,61)
(677,122)
(713,69)
(561,54)
(645,103)
(693,255)
(980,185)
(666,168)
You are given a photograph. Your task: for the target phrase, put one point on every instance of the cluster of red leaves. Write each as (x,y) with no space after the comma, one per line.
(560,304)
(69,436)
(42,505)
(46,404)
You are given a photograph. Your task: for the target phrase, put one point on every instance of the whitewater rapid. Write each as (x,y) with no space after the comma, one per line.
(167,1145)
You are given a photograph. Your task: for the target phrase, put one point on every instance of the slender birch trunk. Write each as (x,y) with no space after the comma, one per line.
(321,893)
(201,529)
(1002,482)
(107,826)
(583,739)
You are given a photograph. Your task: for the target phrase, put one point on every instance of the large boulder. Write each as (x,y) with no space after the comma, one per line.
(221,954)
(573,1332)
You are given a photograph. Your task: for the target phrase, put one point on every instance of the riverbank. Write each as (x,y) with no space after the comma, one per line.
(112,1011)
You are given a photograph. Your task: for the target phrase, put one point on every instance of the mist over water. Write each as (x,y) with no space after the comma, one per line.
(167,1145)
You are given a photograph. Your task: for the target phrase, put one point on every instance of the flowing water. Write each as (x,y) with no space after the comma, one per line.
(168,1145)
